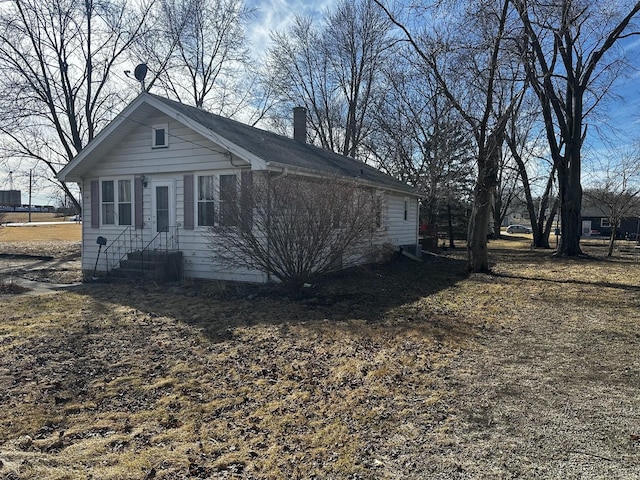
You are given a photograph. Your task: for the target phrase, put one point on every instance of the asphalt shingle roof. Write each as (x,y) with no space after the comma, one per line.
(274,148)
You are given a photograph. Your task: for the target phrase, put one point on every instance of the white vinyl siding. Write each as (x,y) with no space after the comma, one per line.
(401,224)
(191,155)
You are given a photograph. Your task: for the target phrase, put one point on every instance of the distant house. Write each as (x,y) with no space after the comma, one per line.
(596,220)
(147,176)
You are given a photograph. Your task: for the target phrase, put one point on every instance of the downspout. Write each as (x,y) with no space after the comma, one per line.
(268,227)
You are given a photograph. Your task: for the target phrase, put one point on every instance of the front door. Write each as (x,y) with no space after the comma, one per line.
(163,214)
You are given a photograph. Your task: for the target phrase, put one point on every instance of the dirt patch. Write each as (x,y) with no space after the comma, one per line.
(56,262)
(393,372)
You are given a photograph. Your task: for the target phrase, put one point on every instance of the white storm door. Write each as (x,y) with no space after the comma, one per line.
(163,204)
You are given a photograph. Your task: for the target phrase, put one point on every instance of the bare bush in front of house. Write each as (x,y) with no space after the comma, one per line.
(293,228)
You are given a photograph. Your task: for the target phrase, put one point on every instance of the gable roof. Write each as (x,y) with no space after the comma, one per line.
(263,149)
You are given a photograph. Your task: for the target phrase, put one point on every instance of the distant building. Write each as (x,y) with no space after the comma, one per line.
(10,198)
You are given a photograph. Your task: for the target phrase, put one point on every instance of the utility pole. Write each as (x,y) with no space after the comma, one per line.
(30,196)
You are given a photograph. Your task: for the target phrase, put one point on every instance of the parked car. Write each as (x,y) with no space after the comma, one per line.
(518,229)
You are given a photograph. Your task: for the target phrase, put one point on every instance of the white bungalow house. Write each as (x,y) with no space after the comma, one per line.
(145,181)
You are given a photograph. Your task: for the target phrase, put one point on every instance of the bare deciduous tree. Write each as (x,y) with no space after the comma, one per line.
(420,139)
(293,228)
(58,59)
(567,45)
(471,58)
(506,194)
(523,139)
(198,52)
(334,71)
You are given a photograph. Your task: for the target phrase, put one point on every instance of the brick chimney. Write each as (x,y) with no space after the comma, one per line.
(300,124)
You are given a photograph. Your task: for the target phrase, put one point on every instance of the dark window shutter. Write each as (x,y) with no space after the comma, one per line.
(188,202)
(246,200)
(95,204)
(137,198)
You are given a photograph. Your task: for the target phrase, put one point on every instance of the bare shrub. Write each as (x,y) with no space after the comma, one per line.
(293,228)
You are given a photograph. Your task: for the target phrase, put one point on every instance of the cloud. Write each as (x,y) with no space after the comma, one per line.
(278,15)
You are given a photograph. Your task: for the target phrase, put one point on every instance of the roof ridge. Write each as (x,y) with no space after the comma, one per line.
(284,150)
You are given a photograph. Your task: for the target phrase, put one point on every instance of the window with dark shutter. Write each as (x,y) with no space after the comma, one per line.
(95,203)
(188,202)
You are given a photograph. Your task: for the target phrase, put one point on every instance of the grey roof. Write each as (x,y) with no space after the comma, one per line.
(278,149)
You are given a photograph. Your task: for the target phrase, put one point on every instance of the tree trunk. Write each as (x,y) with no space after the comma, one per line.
(478,228)
(540,233)
(497,214)
(450,225)
(488,162)
(570,203)
(612,241)
(553,211)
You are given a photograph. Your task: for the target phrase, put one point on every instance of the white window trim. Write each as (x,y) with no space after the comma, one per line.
(197,201)
(605,222)
(160,126)
(216,195)
(116,201)
(405,209)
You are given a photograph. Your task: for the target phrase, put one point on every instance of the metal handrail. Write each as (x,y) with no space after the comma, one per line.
(131,240)
(171,242)
(118,248)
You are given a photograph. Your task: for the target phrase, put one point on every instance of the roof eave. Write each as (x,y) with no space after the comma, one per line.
(318,173)
(257,163)
(68,172)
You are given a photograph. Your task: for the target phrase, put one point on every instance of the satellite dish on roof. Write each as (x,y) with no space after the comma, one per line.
(140,72)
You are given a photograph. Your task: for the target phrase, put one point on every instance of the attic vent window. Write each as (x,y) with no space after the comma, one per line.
(160,136)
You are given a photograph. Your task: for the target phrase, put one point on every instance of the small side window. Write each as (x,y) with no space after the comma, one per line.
(160,136)
(406,209)
(378,209)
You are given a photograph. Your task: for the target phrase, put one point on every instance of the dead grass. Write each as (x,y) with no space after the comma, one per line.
(396,372)
(20,217)
(64,232)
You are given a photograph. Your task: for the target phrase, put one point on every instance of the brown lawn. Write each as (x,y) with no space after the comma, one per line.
(402,371)
(63,232)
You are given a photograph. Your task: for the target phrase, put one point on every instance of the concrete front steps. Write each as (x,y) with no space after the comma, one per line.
(160,266)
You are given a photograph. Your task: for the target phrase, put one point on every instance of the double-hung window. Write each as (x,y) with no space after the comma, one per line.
(206,200)
(217,200)
(116,202)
